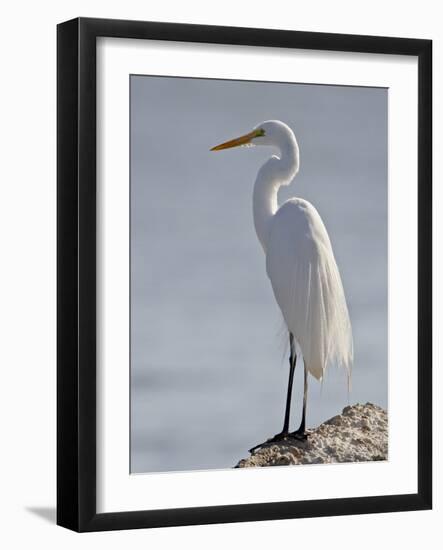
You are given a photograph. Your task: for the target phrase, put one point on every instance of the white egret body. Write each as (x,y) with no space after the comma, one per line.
(300,263)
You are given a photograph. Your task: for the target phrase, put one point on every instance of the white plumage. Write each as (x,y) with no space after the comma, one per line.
(307,286)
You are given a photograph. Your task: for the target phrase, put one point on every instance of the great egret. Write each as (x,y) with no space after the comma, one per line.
(300,264)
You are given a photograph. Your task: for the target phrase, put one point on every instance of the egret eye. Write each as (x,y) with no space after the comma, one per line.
(260,132)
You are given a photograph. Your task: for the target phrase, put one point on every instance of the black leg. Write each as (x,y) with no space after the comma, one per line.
(301,432)
(292,362)
(285,432)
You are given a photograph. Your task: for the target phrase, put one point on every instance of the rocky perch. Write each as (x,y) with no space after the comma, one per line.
(359,434)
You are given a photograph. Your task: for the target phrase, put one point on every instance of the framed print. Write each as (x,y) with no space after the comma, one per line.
(244,274)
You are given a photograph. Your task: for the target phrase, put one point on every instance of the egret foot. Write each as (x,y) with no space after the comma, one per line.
(300,435)
(277,437)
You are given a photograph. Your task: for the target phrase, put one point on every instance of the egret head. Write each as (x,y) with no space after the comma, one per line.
(271,133)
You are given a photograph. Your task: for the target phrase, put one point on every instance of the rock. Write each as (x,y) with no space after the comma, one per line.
(359,434)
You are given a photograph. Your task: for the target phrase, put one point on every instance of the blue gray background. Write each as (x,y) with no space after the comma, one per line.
(208,363)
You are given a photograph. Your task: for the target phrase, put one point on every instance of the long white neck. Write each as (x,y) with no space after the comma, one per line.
(277,171)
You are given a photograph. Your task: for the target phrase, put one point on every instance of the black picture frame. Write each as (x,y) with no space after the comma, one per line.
(76,280)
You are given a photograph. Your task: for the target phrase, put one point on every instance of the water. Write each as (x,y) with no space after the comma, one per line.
(208,363)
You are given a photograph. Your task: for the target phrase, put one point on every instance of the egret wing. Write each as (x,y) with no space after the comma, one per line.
(307,286)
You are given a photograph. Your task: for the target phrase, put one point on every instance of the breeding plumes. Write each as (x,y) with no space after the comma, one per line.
(300,264)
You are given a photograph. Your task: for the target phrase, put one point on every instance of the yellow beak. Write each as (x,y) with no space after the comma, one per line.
(242,140)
